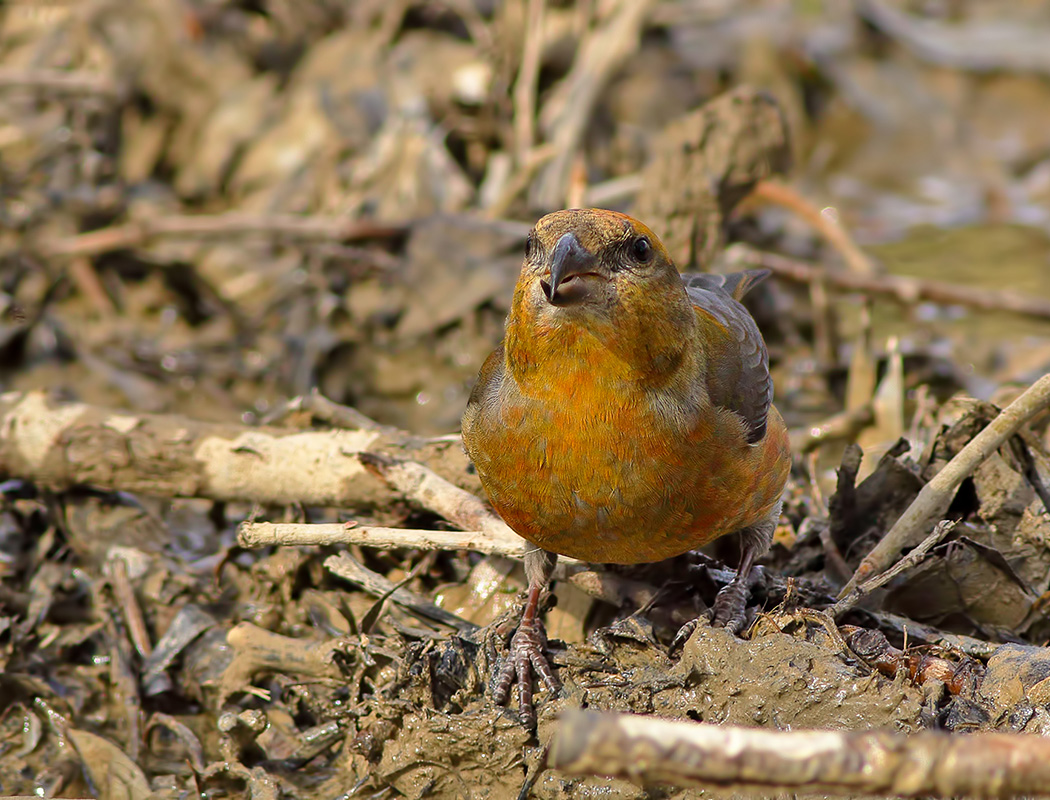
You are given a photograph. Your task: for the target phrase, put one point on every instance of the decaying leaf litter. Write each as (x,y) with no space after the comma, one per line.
(211,210)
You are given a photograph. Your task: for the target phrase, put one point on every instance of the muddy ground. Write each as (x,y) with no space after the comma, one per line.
(209,209)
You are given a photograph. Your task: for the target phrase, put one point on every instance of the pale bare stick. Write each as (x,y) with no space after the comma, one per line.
(83,274)
(483,531)
(648,751)
(940,530)
(117,567)
(609,193)
(519,181)
(430,490)
(269,534)
(58,444)
(463,509)
(937,495)
(594,581)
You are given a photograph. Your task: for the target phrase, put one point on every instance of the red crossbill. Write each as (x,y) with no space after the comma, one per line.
(626,418)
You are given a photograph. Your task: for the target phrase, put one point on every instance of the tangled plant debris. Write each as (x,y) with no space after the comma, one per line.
(251,258)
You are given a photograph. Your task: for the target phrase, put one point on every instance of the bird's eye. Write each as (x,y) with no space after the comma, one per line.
(528,244)
(642,249)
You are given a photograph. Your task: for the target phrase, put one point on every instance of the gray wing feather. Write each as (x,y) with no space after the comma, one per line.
(739,381)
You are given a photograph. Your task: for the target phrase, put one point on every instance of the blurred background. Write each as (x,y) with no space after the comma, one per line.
(209,207)
(382,160)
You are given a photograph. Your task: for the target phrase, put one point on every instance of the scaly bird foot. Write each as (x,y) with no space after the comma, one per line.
(730,609)
(729,612)
(527,657)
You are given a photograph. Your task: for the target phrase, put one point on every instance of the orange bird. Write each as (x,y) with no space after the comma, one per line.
(626,418)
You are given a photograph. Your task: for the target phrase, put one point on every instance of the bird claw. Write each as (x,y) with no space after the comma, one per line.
(684,633)
(730,609)
(729,612)
(526,657)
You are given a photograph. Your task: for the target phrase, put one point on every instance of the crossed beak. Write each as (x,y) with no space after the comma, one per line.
(568,260)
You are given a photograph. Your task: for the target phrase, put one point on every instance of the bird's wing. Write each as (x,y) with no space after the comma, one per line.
(484,393)
(737,362)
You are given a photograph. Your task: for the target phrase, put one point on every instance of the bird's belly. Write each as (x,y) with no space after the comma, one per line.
(608,492)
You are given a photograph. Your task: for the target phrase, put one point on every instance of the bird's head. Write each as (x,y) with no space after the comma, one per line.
(603,276)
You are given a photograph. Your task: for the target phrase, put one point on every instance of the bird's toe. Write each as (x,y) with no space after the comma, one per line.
(526,660)
(730,608)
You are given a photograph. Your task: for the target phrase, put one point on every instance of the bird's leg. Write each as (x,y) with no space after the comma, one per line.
(528,646)
(730,609)
(730,606)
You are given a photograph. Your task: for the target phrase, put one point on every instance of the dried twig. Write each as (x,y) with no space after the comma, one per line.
(647,750)
(940,530)
(321,408)
(430,490)
(277,226)
(978,648)
(59,445)
(125,594)
(372,582)
(595,582)
(836,562)
(610,193)
(837,236)
(936,495)
(57,81)
(83,274)
(905,290)
(520,180)
(268,534)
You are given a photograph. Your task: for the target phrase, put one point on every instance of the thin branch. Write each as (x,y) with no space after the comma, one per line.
(937,495)
(277,226)
(903,289)
(978,648)
(56,81)
(269,534)
(430,490)
(837,236)
(82,272)
(595,582)
(519,181)
(610,193)
(350,569)
(658,751)
(981,45)
(940,530)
